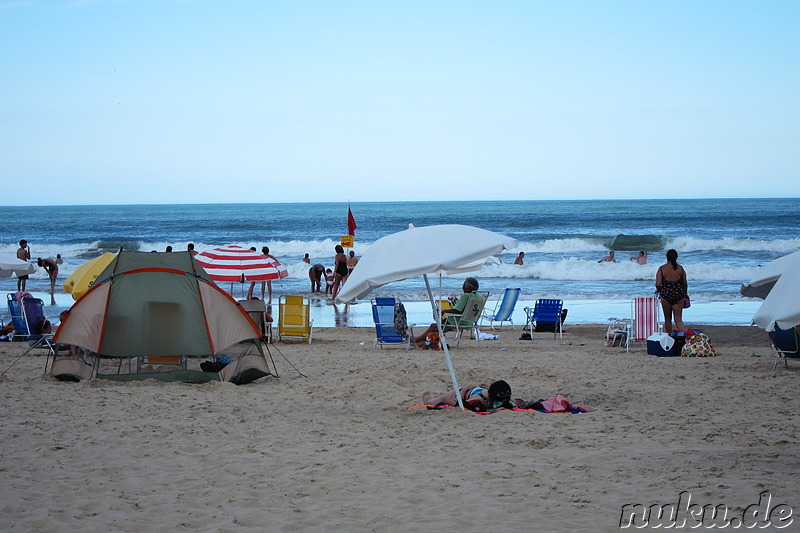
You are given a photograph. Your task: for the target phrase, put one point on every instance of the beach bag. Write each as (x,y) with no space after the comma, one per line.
(432,342)
(698,345)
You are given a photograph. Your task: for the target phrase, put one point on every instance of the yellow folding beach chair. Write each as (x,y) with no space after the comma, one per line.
(294,318)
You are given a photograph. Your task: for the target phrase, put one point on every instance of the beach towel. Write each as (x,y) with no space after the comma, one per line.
(486,336)
(556,404)
(400,319)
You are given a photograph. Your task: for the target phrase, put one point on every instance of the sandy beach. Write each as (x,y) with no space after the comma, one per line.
(342,450)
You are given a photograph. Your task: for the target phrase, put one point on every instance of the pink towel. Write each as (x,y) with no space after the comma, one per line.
(559,404)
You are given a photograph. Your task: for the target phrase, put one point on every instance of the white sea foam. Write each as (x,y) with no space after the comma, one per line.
(583,270)
(682,244)
(323,249)
(744,245)
(568,269)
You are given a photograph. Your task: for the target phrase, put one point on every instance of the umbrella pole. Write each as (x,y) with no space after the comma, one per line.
(443,342)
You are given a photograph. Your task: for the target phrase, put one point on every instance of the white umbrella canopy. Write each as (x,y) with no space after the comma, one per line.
(11,265)
(779,281)
(449,248)
(761,285)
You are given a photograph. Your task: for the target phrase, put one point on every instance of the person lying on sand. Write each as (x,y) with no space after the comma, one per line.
(475,397)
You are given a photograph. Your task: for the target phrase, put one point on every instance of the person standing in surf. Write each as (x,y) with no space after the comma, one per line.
(640,259)
(339,270)
(672,286)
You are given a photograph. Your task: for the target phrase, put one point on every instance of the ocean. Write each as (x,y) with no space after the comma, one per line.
(721,243)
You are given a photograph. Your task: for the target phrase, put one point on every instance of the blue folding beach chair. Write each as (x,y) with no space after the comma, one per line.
(546,316)
(388,330)
(504,308)
(26,314)
(785,344)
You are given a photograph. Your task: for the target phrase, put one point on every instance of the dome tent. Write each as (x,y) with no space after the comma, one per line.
(159,304)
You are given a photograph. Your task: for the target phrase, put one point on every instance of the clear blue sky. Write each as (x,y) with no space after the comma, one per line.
(195,101)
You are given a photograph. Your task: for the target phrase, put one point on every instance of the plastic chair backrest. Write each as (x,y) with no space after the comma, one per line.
(257,311)
(472,311)
(383,316)
(507,304)
(786,341)
(17,317)
(547,310)
(34,312)
(294,315)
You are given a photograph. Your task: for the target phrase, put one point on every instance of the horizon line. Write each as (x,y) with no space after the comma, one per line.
(412,201)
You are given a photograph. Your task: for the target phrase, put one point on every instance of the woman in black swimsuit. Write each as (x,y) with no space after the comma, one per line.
(339,270)
(671,284)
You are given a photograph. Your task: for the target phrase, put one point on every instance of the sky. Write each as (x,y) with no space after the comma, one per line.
(211,101)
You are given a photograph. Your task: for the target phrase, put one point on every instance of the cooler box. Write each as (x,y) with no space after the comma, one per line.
(661,345)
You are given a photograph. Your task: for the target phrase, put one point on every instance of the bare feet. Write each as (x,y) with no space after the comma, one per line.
(426,397)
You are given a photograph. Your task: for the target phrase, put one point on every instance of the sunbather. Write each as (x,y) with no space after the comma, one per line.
(475,397)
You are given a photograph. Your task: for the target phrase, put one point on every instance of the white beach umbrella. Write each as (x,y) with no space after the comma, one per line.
(779,284)
(761,285)
(449,248)
(11,265)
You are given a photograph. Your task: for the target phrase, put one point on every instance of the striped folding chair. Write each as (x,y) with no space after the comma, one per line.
(645,320)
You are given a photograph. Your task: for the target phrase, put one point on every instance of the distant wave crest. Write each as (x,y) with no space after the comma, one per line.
(582,270)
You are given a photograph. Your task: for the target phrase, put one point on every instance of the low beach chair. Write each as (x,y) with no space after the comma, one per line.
(785,344)
(504,308)
(28,316)
(645,319)
(546,316)
(617,332)
(294,318)
(469,317)
(391,327)
(257,311)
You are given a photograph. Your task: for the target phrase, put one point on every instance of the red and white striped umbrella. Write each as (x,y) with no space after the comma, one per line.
(234,263)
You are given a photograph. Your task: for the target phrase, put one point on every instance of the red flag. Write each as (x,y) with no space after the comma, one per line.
(351,222)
